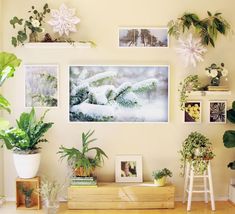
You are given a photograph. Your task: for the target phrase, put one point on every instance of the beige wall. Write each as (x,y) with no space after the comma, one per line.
(1,151)
(157,143)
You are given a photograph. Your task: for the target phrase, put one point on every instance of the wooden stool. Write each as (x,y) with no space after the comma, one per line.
(188,185)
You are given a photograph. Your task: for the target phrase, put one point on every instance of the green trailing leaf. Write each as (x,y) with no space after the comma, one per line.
(4,104)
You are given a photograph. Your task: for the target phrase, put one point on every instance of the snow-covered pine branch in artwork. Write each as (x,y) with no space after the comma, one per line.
(91,99)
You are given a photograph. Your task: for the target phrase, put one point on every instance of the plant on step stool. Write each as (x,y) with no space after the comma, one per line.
(80,160)
(197,151)
(160,176)
(229,135)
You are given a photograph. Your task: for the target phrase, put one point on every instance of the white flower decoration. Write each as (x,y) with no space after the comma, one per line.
(64,20)
(208,73)
(35,23)
(214,73)
(191,50)
(224,72)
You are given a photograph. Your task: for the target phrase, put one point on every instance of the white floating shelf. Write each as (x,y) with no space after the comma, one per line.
(57,45)
(209,93)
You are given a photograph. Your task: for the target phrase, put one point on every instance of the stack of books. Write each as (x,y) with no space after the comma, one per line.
(83,182)
(218,88)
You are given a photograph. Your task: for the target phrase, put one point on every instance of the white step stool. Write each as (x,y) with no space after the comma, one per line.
(188,185)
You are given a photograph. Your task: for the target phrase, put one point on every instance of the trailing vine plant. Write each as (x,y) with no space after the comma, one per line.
(207,28)
(190,83)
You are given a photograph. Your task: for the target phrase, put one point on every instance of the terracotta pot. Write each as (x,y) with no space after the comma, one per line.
(81,172)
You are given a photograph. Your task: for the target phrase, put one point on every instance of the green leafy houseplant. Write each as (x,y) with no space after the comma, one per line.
(8,64)
(190,83)
(34,24)
(197,151)
(229,135)
(82,163)
(158,174)
(28,134)
(207,28)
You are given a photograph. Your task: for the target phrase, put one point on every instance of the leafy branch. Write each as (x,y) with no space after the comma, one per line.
(207,28)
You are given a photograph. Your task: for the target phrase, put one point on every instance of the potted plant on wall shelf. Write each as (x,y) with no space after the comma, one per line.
(197,151)
(80,160)
(24,141)
(160,176)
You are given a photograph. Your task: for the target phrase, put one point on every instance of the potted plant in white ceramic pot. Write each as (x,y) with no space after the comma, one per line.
(24,140)
(160,176)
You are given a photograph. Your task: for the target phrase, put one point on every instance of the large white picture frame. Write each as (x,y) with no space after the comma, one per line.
(119,93)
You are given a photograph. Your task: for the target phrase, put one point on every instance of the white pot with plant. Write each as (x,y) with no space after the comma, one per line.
(24,140)
(160,176)
(196,151)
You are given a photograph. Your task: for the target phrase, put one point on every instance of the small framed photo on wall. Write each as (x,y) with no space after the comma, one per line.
(143,37)
(41,85)
(128,168)
(217,112)
(193,112)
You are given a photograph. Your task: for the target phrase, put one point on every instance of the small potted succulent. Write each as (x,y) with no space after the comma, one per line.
(197,151)
(160,176)
(23,140)
(80,160)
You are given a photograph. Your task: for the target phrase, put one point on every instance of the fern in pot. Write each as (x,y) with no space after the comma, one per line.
(23,140)
(196,151)
(160,176)
(81,160)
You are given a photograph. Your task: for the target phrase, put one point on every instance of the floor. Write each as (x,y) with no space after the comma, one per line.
(222,207)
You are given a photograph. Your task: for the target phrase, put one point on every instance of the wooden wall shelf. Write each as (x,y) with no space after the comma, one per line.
(121,196)
(20,198)
(57,45)
(209,93)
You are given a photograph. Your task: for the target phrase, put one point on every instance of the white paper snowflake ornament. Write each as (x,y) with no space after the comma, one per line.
(64,20)
(191,50)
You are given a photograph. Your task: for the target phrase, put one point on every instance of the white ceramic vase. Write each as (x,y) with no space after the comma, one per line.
(27,165)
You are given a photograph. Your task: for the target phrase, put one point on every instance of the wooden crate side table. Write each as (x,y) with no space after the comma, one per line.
(20,198)
(121,196)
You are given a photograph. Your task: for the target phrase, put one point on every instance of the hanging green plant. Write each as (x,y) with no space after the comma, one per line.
(190,83)
(207,28)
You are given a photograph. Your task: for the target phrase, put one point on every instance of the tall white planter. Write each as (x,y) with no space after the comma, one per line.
(27,165)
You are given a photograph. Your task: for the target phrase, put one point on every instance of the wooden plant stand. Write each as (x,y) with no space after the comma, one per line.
(121,196)
(29,183)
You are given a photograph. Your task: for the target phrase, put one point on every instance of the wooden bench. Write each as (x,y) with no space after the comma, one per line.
(121,196)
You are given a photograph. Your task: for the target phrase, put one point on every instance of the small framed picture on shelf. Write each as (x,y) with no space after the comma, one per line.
(217,112)
(128,168)
(193,112)
(143,37)
(41,85)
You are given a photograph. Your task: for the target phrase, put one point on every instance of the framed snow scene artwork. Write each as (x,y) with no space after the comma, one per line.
(41,85)
(143,37)
(119,93)
(218,112)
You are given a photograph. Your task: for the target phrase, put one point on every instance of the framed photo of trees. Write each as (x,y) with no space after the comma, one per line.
(41,85)
(143,37)
(119,93)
